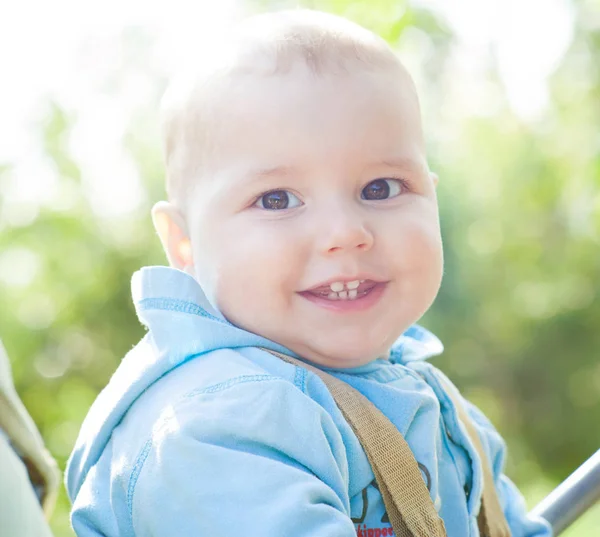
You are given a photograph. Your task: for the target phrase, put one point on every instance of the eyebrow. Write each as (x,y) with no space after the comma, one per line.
(398,162)
(393,162)
(402,162)
(272,172)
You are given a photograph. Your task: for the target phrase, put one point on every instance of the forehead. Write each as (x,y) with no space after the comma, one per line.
(299,117)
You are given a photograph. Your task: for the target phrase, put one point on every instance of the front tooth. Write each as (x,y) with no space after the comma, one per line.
(352,285)
(336,287)
(333,296)
(343,294)
(352,294)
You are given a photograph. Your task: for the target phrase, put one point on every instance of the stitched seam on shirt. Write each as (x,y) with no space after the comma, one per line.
(370,377)
(300,379)
(171,304)
(231,382)
(135,473)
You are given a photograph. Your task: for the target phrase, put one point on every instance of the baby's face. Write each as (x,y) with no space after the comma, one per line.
(318,228)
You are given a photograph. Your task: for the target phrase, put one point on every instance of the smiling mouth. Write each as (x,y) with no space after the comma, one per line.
(353,290)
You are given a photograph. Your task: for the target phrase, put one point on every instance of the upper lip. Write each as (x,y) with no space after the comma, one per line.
(346,279)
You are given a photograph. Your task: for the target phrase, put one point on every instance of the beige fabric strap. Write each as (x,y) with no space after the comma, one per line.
(405,495)
(491,520)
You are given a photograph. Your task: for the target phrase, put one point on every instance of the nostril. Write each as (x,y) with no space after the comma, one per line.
(361,246)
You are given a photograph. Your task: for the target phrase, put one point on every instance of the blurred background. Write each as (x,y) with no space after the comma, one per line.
(511,100)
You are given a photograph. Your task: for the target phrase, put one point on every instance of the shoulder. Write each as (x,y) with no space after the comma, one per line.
(241,419)
(245,402)
(245,384)
(228,394)
(218,370)
(208,379)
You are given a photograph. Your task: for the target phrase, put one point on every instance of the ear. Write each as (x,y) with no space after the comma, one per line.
(434,178)
(172,231)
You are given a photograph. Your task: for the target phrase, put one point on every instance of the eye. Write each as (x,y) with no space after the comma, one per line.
(381,189)
(277,200)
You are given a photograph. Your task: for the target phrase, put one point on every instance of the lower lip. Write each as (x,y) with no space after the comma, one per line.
(347,306)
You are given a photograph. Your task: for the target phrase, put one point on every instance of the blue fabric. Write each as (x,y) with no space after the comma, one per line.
(201,433)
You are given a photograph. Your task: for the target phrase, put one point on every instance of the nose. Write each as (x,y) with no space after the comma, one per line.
(344,231)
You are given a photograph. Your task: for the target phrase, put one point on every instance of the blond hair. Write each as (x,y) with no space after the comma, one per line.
(263,45)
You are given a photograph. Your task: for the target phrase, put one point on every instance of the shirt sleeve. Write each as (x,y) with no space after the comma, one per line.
(513,504)
(253,457)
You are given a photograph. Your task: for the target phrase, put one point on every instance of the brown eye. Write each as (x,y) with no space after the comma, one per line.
(277,200)
(381,189)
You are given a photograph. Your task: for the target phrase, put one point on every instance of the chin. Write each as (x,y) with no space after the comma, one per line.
(350,346)
(351,354)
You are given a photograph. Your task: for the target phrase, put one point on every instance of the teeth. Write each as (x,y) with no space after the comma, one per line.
(351,294)
(342,291)
(336,287)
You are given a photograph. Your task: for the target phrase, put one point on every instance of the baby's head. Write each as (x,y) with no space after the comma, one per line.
(299,192)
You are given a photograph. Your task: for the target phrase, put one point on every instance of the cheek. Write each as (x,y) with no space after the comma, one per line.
(416,244)
(246,261)
(426,261)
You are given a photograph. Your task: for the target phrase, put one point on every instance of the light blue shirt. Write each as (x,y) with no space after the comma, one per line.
(201,433)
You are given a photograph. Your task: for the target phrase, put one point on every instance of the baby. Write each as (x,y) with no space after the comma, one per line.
(302,220)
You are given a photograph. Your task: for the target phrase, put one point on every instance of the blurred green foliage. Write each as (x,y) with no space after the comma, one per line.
(518,311)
